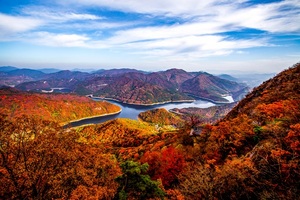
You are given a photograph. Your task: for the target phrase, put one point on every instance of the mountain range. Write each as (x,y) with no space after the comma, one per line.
(128,85)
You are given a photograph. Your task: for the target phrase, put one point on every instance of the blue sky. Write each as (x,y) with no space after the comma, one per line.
(212,35)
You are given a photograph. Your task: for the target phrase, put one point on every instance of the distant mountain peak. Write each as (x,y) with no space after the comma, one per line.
(134,86)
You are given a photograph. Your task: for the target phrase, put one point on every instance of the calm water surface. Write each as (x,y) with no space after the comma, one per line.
(132,111)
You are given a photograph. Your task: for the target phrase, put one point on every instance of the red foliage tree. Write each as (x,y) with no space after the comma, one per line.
(165,165)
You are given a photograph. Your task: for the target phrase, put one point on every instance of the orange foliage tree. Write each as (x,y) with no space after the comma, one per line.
(61,108)
(38,160)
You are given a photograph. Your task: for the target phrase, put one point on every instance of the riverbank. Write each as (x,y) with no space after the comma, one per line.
(132,111)
(213,101)
(91,117)
(150,104)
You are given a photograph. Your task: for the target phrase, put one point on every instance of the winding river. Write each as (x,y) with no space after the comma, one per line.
(132,111)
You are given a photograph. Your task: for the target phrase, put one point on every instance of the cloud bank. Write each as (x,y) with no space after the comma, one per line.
(168,29)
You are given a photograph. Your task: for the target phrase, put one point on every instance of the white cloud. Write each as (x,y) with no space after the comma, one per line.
(51,14)
(273,17)
(193,47)
(14,24)
(59,40)
(280,16)
(205,42)
(149,33)
(155,7)
(201,32)
(267,65)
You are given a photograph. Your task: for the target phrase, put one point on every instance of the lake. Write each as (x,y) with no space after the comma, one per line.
(132,111)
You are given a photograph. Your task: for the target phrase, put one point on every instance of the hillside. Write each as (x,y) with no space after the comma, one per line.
(160,117)
(131,90)
(133,86)
(253,153)
(7,68)
(60,108)
(284,86)
(207,115)
(26,72)
(211,87)
(65,79)
(170,85)
(115,72)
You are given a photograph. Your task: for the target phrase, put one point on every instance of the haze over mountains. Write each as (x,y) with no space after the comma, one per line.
(128,85)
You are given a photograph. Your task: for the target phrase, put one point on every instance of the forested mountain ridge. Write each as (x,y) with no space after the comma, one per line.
(132,88)
(212,87)
(60,108)
(206,115)
(136,87)
(252,153)
(170,85)
(286,85)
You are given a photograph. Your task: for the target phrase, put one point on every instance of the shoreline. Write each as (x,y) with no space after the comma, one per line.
(150,104)
(174,112)
(91,117)
(210,100)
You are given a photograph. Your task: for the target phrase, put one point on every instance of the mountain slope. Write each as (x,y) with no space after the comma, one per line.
(11,76)
(228,77)
(254,152)
(61,108)
(160,117)
(132,90)
(210,87)
(116,72)
(171,79)
(66,79)
(133,86)
(284,86)
(170,85)
(7,68)
(26,72)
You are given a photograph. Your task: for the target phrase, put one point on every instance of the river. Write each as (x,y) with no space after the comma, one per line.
(132,111)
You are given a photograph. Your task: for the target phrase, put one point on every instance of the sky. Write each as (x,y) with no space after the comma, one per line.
(194,35)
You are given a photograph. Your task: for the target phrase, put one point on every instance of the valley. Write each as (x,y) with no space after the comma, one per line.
(132,111)
(149,100)
(129,86)
(247,149)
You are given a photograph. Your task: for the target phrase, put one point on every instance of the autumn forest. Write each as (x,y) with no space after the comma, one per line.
(252,152)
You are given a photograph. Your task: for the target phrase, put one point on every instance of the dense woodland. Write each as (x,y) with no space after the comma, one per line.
(161,117)
(252,153)
(127,85)
(60,108)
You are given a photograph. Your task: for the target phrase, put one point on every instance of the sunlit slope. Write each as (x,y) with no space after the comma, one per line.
(254,152)
(55,107)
